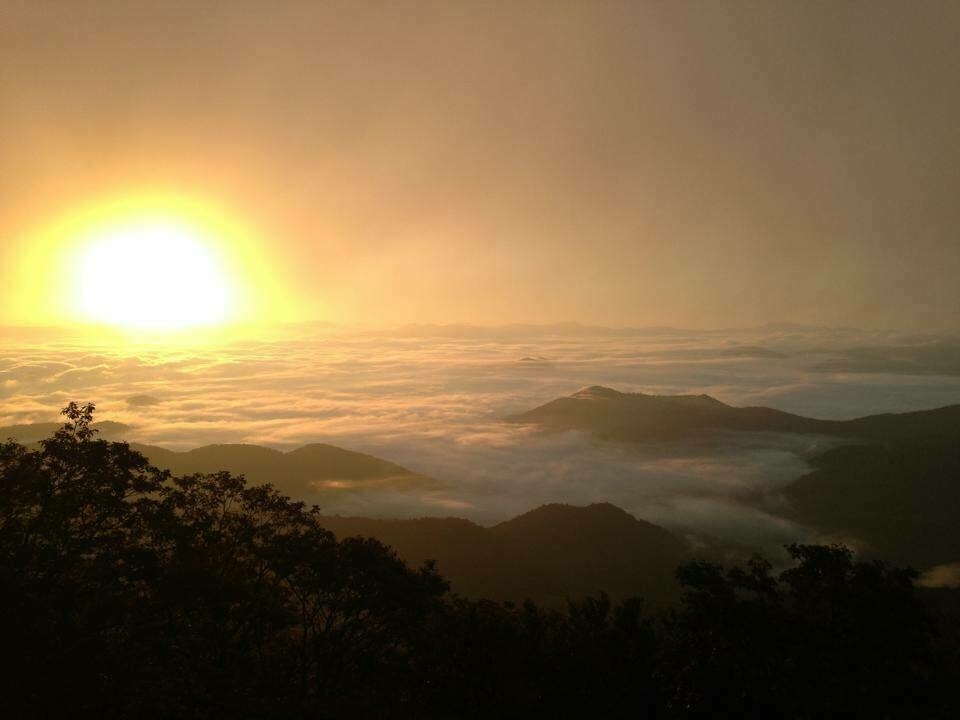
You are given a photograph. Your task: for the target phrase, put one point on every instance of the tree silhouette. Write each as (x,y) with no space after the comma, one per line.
(829,636)
(128,592)
(136,589)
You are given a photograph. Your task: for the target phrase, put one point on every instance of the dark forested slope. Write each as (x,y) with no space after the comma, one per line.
(128,592)
(900,498)
(549,554)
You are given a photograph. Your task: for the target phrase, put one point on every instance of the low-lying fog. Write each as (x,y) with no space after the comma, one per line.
(432,399)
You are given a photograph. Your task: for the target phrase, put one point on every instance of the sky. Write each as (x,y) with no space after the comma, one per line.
(691,164)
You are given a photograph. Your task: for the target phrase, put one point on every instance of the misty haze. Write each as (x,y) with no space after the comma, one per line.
(479,359)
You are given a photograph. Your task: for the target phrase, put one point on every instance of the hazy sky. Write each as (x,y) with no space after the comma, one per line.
(698,163)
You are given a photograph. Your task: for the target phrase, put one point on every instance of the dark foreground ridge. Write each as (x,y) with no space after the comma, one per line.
(128,592)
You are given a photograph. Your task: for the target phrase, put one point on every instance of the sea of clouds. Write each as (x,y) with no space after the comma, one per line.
(433,398)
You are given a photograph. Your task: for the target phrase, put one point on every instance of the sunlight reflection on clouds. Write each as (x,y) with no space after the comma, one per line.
(434,402)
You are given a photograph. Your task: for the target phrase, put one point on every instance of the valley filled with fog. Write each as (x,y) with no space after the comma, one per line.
(433,400)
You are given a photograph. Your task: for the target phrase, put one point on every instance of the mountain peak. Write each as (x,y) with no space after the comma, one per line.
(598,392)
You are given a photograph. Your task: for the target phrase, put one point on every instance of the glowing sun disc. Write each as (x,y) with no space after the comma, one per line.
(153,274)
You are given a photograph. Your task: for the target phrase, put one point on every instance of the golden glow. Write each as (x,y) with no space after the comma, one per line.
(153,274)
(148,263)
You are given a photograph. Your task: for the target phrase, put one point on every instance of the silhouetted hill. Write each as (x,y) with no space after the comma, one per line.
(35,432)
(126,592)
(598,547)
(548,554)
(310,469)
(893,486)
(899,497)
(638,417)
(943,422)
(464,550)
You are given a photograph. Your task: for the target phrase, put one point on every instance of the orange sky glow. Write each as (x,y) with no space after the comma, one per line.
(687,164)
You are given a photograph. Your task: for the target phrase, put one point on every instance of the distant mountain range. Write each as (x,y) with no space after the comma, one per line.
(549,554)
(310,470)
(892,487)
(638,417)
(35,432)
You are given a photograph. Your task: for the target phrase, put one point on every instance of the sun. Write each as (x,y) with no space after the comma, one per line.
(153,273)
(151,264)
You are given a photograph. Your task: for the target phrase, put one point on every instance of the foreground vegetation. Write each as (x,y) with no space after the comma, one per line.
(128,592)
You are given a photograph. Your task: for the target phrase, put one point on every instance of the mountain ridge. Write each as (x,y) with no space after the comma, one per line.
(309,469)
(889,486)
(549,554)
(611,414)
(34,432)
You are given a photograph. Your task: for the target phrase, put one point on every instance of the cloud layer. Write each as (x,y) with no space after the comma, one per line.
(431,399)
